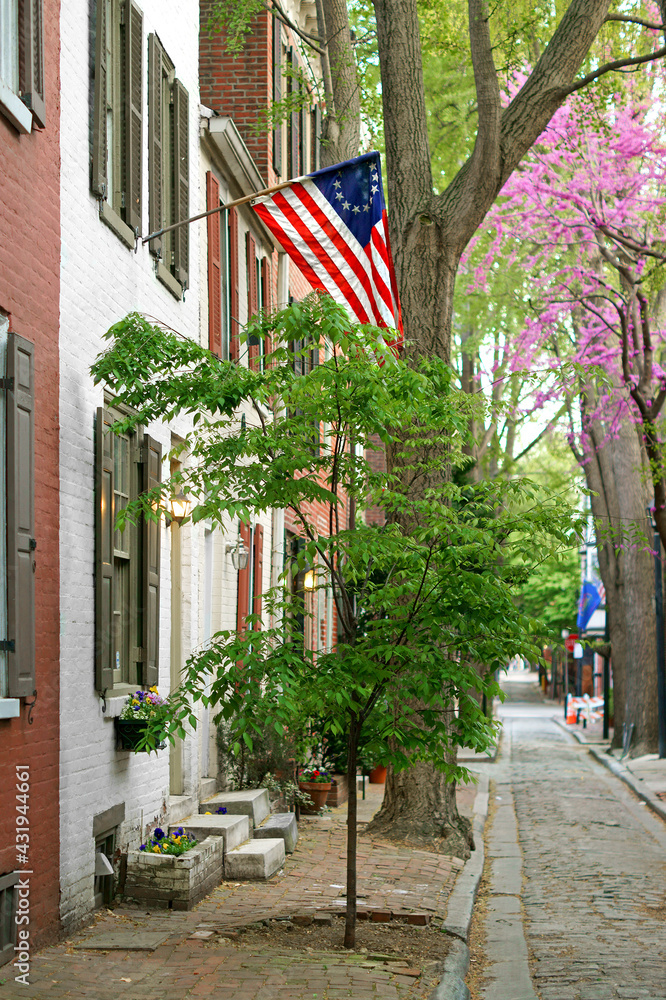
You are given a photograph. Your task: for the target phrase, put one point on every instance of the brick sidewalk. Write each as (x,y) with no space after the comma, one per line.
(390,878)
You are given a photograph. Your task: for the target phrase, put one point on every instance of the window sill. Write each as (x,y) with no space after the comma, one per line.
(113,221)
(166,277)
(116,700)
(10,708)
(13,108)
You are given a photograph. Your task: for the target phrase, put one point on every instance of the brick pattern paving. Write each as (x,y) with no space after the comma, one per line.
(390,878)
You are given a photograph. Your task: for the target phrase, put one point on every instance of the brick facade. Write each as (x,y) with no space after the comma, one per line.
(29,296)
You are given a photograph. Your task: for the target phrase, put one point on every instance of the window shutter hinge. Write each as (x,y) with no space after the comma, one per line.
(7,646)
(33,544)
(123,203)
(7,384)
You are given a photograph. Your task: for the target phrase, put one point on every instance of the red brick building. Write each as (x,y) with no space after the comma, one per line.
(29,487)
(270,68)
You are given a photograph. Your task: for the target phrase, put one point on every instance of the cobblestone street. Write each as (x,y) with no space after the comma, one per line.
(577,904)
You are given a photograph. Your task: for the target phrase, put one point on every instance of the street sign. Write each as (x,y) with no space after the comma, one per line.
(570,642)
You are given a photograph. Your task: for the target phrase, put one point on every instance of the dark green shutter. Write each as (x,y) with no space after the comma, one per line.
(133,108)
(104,472)
(315,144)
(314,361)
(152,544)
(33,40)
(21,516)
(277,93)
(99,152)
(181,181)
(155,152)
(294,118)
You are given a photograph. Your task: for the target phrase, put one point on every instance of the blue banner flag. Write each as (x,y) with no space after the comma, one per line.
(590,599)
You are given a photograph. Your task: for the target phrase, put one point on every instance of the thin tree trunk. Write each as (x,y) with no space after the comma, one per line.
(352,835)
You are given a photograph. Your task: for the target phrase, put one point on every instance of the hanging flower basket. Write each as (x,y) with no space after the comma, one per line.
(131,726)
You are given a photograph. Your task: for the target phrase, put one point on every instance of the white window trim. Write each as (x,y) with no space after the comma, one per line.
(14,109)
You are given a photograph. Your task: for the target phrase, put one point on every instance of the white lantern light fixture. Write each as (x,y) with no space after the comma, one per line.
(309,580)
(179,508)
(239,554)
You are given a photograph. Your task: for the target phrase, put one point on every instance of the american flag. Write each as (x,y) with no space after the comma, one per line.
(333,225)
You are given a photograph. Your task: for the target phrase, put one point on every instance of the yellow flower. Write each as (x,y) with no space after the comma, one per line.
(208,814)
(135,701)
(156,850)
(153,689)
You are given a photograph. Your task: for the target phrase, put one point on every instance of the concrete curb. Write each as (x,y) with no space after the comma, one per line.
(461,906)
(456,964)
(620,771)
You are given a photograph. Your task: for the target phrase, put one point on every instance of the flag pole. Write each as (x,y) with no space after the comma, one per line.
(223,208)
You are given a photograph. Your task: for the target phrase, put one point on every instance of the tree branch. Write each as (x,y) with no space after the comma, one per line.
(610,67)
(273,5)
(635,20)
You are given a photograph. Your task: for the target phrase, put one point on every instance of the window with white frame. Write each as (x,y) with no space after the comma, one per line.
(22,64)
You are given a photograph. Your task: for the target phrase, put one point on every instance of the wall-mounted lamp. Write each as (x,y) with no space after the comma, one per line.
(239,554)
(178,509)
(309,582)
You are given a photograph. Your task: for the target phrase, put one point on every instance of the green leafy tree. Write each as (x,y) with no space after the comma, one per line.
(416,599)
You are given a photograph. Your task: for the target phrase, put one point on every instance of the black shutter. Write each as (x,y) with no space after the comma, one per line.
(152,543)
(155,152)
(99,152)
(277,93)
(33,40)
(104,472)
(133,111)
(181,180)
(21,516)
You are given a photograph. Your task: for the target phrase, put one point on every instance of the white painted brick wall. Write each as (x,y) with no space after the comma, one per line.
(102,281)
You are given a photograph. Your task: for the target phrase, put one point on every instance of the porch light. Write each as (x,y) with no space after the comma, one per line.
(179,508)
(309,580)
(239,555)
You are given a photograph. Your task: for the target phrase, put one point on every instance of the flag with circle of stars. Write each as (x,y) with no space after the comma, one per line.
(333,225)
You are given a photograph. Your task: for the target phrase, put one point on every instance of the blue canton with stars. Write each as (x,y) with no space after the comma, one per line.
(354,189)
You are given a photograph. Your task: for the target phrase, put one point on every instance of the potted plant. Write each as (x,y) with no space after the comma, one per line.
(317,783)
(140,708)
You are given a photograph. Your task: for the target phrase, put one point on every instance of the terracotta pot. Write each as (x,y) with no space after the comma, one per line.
(378,775)
(318,792)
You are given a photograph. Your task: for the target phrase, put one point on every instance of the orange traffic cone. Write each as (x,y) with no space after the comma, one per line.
(571,712)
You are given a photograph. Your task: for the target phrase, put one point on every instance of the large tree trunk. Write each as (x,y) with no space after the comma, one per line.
(419,808)
(429,233)
(615,470)
(341,127)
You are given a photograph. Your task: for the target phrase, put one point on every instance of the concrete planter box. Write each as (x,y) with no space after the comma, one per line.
(175,883)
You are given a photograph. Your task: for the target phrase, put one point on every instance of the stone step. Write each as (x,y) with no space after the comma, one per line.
(282,825)
(207,787)
(181,806)
(252,802)
(258,859)
(235,830)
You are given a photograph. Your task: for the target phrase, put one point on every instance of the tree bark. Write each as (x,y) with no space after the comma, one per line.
(429,232)
(614,470)
(419,808)
(341,127)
